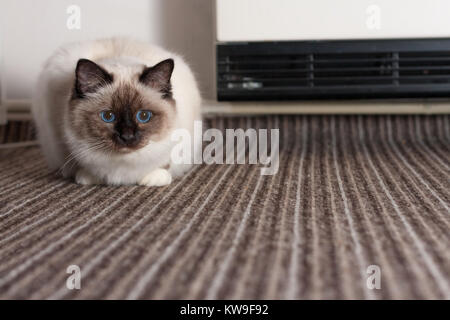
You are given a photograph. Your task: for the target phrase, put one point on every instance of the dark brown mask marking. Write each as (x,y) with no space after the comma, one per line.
(126,131)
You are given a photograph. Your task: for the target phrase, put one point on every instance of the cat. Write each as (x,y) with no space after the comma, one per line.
(105,110)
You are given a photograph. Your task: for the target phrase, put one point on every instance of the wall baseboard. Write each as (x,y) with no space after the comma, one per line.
(2,114)
(17,105)
(20,109)
(327,107)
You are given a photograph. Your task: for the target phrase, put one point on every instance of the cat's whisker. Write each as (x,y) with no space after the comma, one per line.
(80,154)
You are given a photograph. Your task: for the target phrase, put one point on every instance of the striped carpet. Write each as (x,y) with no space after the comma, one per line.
(351,192)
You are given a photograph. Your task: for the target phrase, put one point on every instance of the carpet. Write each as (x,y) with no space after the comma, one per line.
(354,197)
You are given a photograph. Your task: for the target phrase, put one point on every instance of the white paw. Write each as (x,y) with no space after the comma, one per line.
(85,178)
(156,178)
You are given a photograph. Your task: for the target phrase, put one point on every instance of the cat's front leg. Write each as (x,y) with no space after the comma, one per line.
(84,177)
(156,178)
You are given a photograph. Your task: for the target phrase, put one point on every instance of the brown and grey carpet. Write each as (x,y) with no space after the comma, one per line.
(351,192)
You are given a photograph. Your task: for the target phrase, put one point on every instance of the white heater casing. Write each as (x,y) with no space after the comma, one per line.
(247,21)
(290,20)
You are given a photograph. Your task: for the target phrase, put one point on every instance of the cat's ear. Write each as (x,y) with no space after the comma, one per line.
(89,76)
(158,77)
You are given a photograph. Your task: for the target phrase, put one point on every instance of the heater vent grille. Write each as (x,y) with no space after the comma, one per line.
(347,69)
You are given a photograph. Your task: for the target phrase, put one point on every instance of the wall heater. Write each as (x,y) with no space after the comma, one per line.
(327,49)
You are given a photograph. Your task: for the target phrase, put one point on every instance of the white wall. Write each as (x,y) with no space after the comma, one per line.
(30,30)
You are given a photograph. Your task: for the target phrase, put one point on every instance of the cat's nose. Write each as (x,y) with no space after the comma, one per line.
(127,136)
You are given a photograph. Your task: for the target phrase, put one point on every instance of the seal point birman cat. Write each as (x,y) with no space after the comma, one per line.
(105,111)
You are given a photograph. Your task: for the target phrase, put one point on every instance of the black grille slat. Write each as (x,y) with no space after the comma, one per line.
(362,69)
(334,69)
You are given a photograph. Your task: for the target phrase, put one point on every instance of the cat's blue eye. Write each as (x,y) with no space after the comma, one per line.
(143,116)
(107,116)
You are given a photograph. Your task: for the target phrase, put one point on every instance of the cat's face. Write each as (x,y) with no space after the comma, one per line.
(120,116)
